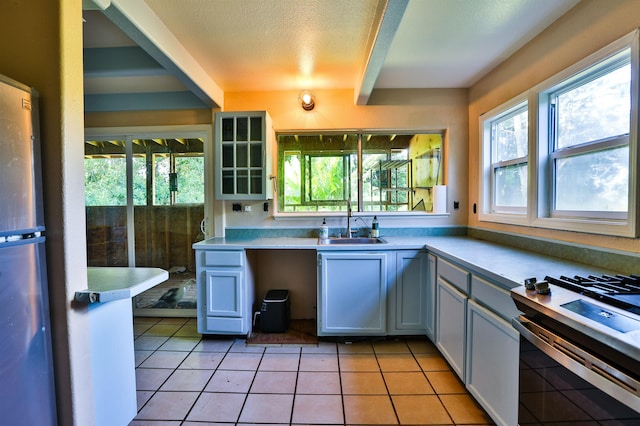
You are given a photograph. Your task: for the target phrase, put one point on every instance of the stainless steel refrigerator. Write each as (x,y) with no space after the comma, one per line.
(27,394)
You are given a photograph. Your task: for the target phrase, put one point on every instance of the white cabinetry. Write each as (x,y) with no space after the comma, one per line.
(492,363)
(352,290)
(430,290)
(407,295)
(243,142)
(493,350)
(474,333)
(224,297)
(451,302)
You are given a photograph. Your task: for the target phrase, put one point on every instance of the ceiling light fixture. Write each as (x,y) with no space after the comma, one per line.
(307,100)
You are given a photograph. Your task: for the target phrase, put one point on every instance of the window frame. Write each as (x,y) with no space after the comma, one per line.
(359,205)
(173,158)
(541,180)
(489,211)
(209,226)
(545,214)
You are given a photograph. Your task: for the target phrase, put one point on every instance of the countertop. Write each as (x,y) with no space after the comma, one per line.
(112,283)
(505,265)
(296,243)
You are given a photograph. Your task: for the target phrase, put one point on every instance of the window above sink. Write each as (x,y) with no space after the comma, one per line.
(378,172)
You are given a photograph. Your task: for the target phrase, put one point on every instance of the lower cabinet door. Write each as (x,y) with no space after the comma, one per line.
(451,325)
(492,363)
(222,307)
(352,293)
(224,293)
(410,292)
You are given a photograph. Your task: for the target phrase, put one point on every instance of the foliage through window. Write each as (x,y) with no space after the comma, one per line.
(322,172)
(589,118)
(508,144)
(584,135)
(164,172)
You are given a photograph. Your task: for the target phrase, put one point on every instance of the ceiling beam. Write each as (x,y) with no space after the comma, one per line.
(136,19)
(388,15)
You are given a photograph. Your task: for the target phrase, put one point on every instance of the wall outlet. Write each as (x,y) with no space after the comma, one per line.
(247,208)
(456,205)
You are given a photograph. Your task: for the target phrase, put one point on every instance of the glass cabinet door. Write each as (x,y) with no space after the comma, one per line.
(241,144)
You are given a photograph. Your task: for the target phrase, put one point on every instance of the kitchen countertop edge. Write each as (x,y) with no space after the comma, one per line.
(106,284)
(507,266)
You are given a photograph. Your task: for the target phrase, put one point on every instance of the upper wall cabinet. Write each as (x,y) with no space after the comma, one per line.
(243,142)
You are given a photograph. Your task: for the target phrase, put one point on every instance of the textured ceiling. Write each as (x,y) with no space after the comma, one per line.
(273,44)
(453,43)
(265,45)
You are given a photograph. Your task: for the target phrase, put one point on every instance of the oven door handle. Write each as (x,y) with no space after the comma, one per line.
(596,371)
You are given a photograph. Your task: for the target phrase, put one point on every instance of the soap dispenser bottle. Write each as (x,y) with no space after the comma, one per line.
(324,230)
(375,228)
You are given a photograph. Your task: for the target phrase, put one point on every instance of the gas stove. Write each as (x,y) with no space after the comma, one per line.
(605,308)
(590,324)
(622,291)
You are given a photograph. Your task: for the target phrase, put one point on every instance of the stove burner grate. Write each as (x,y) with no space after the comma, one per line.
(619,290)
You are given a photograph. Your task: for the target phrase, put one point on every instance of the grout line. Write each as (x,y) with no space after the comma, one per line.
(300,354)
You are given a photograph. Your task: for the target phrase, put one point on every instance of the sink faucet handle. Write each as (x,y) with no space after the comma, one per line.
(349,217)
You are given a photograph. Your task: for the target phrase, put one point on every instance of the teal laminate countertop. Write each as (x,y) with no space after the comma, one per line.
(506,265)
(302,243)
(114,283)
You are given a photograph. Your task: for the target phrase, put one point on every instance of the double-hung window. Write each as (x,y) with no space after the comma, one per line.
(574,136)
(589,118)
(585,139)
(505,161)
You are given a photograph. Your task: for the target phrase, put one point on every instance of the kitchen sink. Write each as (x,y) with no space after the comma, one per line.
(353,240)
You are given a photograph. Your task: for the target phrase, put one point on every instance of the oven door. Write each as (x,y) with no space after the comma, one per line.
(561,383)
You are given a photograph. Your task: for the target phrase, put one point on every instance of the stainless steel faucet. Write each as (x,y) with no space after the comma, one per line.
(349,218)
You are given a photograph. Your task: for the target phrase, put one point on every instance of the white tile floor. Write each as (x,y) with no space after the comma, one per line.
(183,379)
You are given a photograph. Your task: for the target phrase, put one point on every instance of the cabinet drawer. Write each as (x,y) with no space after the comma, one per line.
(225,325)
(495,298)
(455,276)
(224,258)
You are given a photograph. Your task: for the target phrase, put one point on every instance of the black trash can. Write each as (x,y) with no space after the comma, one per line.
(275,312)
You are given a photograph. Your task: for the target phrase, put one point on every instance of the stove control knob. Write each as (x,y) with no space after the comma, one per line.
(530,283)
(542,287)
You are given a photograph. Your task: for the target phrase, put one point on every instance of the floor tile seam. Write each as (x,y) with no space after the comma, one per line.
(172,420)
(167,379)
(445,407)
(187,356)
(139,410)
(386,386)
(146,358)
(204,391)
(344,410)
(253,379)
(229,352)
(174,350)
(295,387)
(297,377)
(424,372)
(186,416)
